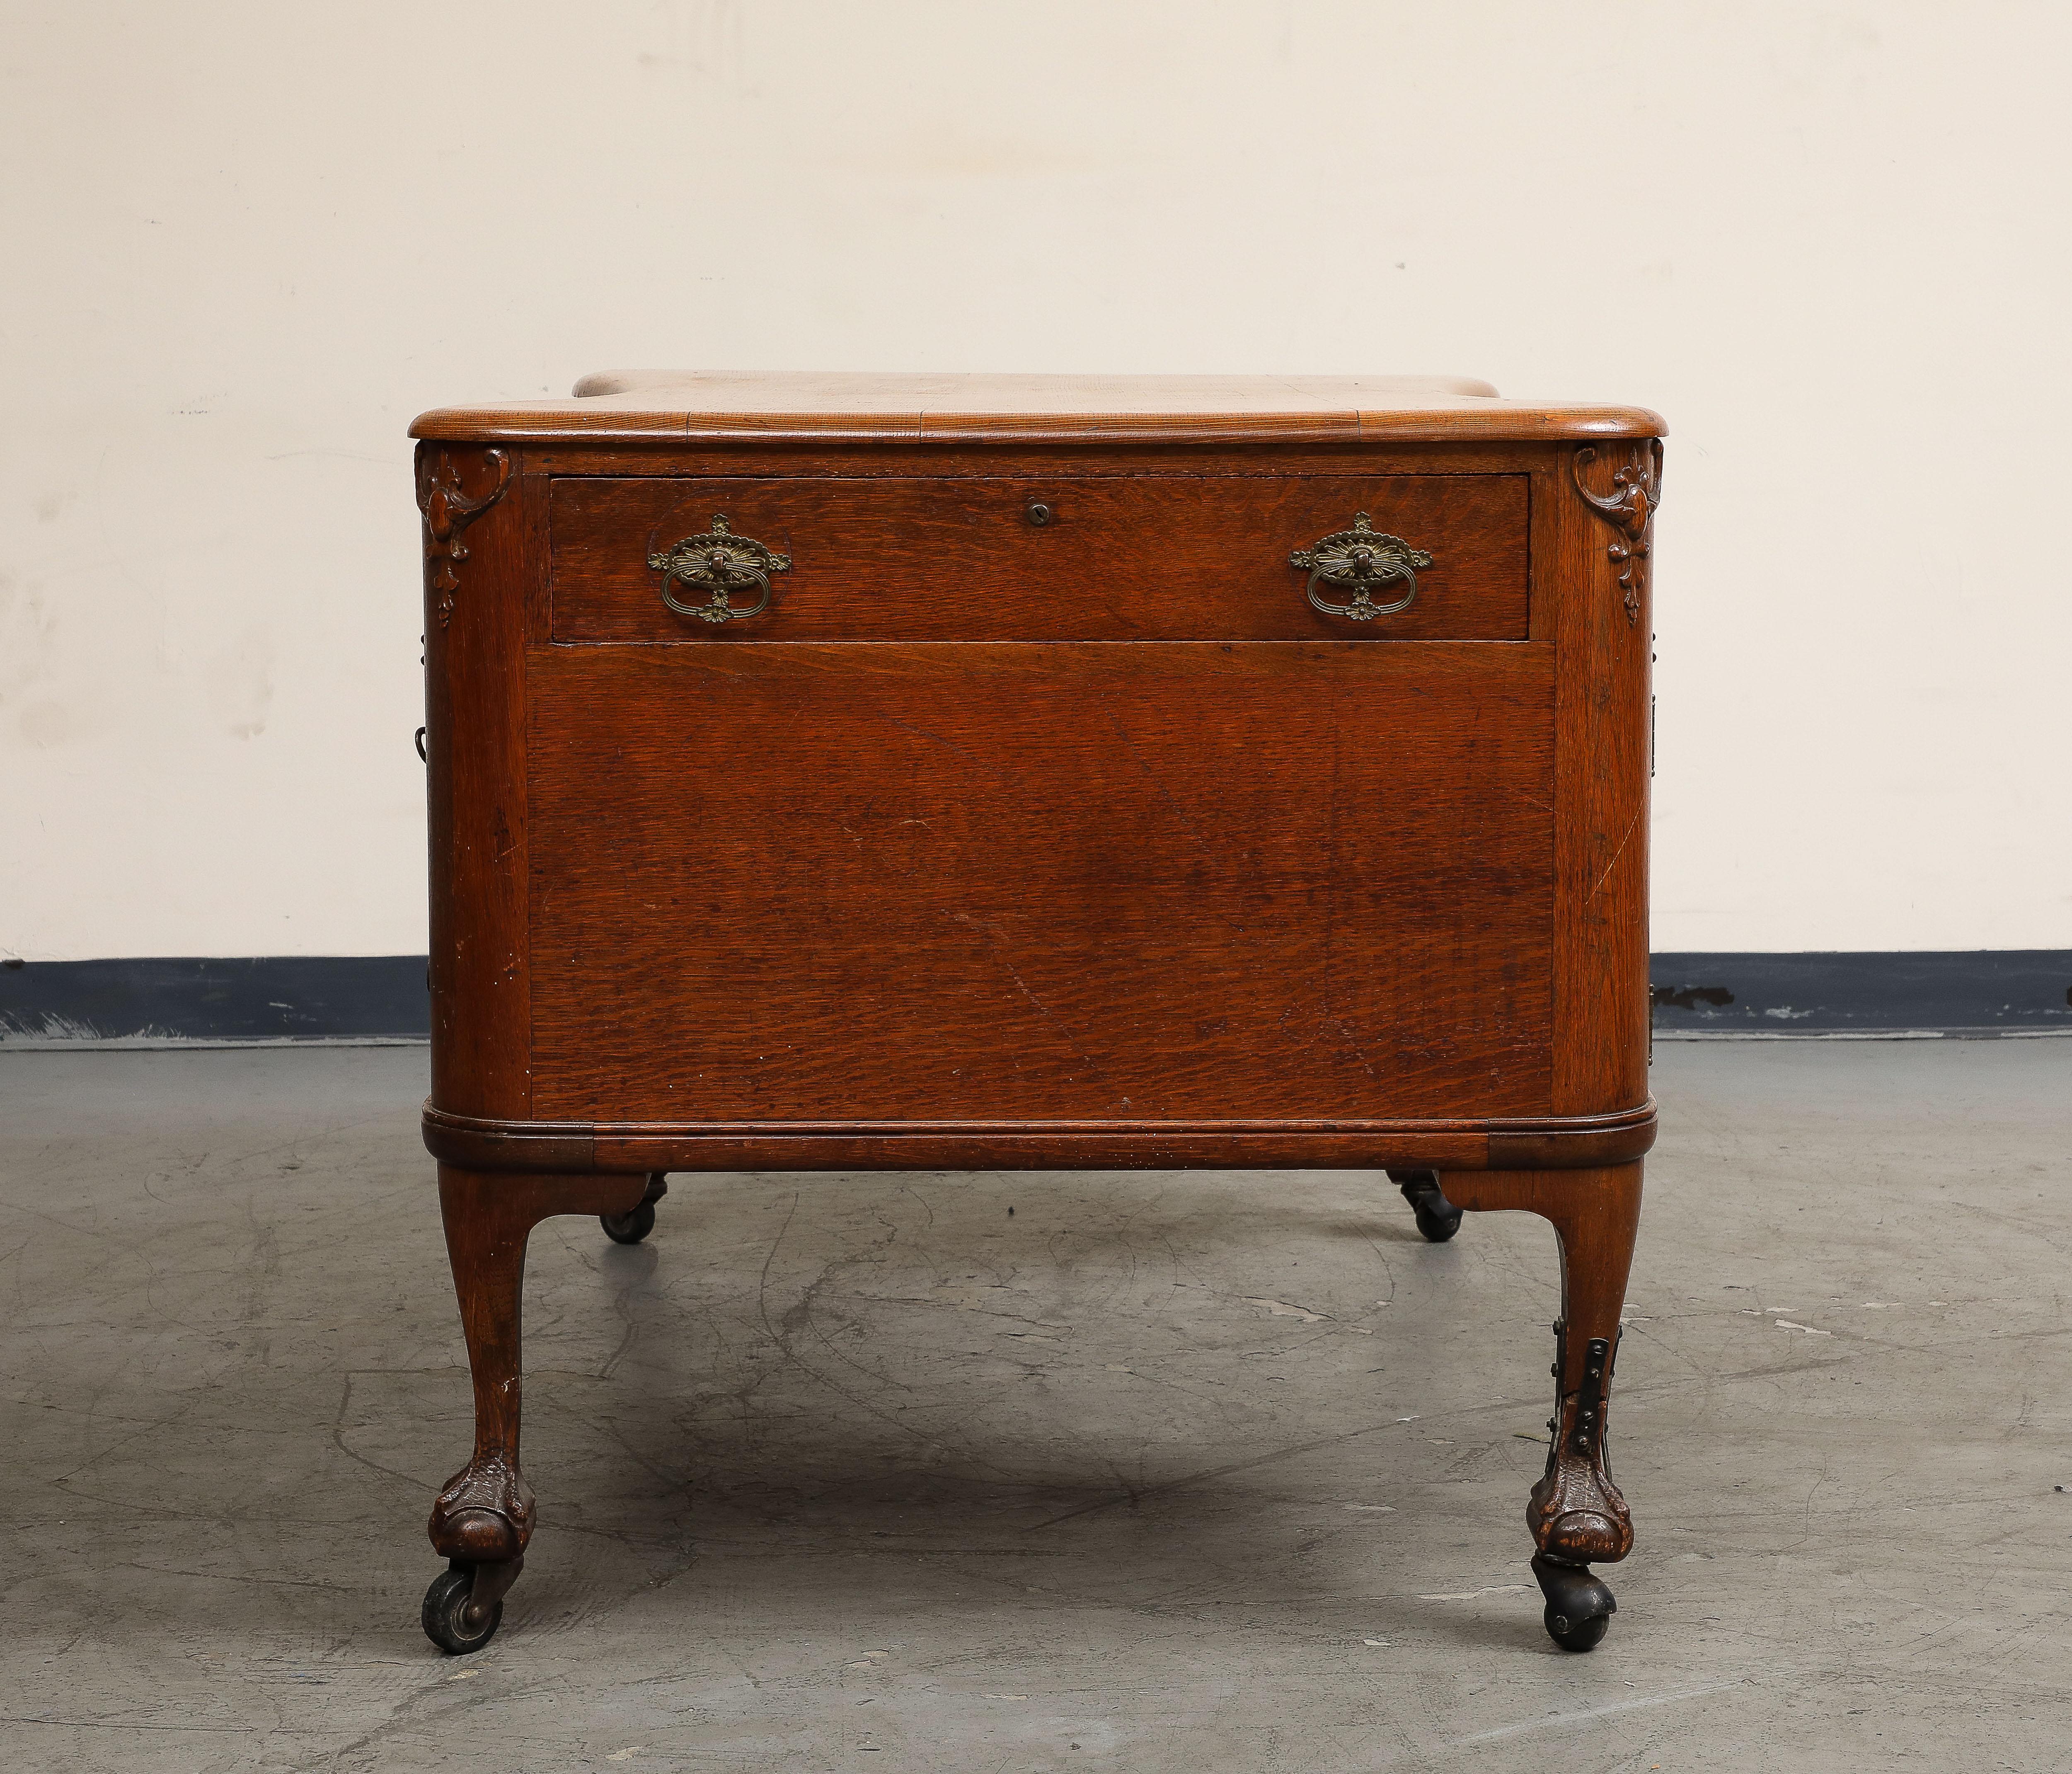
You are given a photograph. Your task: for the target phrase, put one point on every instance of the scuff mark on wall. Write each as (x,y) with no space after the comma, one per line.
(239,682)
(1690,997)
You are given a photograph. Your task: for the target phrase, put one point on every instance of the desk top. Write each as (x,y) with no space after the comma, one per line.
(834,405)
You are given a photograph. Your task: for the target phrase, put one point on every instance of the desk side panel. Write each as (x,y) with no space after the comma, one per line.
(480,575)
(1591,594)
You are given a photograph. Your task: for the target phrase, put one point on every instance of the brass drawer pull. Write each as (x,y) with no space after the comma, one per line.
(1366,560)
(719,563)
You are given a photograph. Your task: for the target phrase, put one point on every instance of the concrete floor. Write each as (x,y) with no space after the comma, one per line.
(1162,1472)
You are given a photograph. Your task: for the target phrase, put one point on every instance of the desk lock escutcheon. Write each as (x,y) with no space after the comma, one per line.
(1362,560)
(716,566)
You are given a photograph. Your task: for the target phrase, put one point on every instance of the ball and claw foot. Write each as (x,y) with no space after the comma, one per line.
(631,1228)
(1579,1606)
(1437,1218)
(465,1604)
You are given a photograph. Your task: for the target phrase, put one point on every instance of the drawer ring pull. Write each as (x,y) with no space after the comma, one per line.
(718,564)
(1365,560)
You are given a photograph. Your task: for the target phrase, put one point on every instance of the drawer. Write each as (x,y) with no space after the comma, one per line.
(1137,557)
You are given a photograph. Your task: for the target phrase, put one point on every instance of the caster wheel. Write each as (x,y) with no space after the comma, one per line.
(1576,1635)
(449,1622)
(632,1227)
(1579,1606)
(1437,1218)
(628,1228)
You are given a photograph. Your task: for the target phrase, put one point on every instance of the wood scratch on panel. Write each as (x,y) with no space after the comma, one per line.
(991,933)
(1609,867)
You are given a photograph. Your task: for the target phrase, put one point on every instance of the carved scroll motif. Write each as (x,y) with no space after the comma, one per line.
(448,510)
(1629,508)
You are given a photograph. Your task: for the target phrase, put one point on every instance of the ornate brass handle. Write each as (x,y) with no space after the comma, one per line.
(1366,560)
(718,564)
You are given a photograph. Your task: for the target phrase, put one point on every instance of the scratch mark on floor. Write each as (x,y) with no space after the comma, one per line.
(1553,1720)
(1279,1308)
(1476,1595)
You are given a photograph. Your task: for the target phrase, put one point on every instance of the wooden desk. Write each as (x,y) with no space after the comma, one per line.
(836,772)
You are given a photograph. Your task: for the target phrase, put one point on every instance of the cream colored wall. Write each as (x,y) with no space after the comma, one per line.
(247,242)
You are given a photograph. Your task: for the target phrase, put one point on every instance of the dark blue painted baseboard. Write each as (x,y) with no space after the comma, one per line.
(382,997)
(1973,993)
(316,997)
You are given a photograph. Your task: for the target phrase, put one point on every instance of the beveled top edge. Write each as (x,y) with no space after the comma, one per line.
(869,391)
(778,406)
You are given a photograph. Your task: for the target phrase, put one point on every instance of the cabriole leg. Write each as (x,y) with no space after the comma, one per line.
(1576,1515)
(483,1519)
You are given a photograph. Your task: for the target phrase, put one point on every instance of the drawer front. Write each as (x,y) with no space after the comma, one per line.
(1015,884)
(1139,557)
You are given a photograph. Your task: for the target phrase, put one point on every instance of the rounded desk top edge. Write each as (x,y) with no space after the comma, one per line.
(659,404)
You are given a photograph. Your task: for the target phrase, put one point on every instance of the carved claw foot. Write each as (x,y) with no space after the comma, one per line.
(1576,1513)
(484,1515)
(480,1523)
(465,1604)
(1437,1218)
(631,1228)
(1579,1606)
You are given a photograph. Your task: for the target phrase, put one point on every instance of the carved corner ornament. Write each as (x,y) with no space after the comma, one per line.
(448,510)
(1629,508)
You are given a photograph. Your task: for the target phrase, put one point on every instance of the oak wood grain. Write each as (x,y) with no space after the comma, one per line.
(1004,883)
